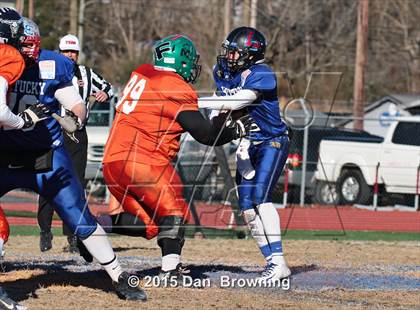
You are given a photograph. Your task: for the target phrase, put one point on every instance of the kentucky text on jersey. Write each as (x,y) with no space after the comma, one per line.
(38,83)
(29,87)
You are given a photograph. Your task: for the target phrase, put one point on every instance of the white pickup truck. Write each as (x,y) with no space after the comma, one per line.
(346,169)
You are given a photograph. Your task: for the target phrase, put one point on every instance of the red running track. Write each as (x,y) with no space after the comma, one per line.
(308,218)
(322,218)
(27,221)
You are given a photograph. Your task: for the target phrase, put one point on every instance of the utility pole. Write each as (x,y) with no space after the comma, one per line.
(20,6)
(80,30)
(308,40)
(73,16)
(254,5)
(306,112)
(361,55)
(227,22)
(31,9)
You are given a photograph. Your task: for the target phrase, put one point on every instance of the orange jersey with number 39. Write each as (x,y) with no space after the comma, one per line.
(11,63)
(11,68)
(145,129)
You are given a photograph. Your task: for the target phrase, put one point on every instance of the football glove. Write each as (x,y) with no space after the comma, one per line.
(244,126)
(33,115)
(71,123)
(70,116)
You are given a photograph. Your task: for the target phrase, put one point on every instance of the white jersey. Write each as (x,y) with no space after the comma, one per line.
(88,82)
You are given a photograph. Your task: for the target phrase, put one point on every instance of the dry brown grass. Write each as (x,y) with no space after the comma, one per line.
(42,289)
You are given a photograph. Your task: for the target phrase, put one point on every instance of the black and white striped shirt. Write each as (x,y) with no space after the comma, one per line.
(88,82)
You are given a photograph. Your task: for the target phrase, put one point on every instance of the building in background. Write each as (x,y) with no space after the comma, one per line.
(379,114)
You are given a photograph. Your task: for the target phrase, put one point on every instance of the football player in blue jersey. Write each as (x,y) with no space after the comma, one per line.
(246,85)
(35,157)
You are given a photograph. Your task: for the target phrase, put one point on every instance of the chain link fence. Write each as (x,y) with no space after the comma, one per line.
(380,165)
(207,171)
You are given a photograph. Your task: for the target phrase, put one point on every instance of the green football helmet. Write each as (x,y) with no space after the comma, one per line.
(177,53)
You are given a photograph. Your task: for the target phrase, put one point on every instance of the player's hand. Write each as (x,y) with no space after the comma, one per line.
(71,117)
(244,126)
(101,96)
(34,114)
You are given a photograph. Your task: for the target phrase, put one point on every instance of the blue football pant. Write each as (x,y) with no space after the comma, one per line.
(60,186)
(268,159)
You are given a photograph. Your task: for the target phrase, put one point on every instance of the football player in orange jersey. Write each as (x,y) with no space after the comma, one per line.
(157,105)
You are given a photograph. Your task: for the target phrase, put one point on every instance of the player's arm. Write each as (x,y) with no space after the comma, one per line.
(237,101)
(12,66)
(217,132)
(70,99)
(26,119)
(7,118)
(101,88)
(66,93)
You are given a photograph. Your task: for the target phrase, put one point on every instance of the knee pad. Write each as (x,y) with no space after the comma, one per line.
(82,224)
(83,231)
(249,215)
(263,205)
(171,227)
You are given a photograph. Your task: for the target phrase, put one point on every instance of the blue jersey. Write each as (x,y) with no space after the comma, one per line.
(38,84)
(265,110)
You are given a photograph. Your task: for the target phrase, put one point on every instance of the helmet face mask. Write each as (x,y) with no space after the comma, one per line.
(195,70)
(177,53)
(30,42)
(11,27)
(235,58)
(243,47)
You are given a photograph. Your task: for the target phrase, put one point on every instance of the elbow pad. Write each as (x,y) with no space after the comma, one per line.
(68,96)
(237,101)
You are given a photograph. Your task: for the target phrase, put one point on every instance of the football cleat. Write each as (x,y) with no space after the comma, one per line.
(274,272)
(45,241)
(8,304)
(174,278)
(128,289)
(71,247)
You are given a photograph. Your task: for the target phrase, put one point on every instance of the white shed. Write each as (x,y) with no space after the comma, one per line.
(379,114)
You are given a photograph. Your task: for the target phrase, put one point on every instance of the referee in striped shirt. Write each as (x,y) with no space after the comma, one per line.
(89,83)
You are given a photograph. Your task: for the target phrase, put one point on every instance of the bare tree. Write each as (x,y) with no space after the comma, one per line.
(396,44)
(303,37)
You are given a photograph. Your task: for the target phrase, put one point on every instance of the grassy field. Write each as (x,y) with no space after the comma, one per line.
(347,271)
(290,234)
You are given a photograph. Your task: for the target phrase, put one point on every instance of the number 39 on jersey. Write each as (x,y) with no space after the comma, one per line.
(131,94)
